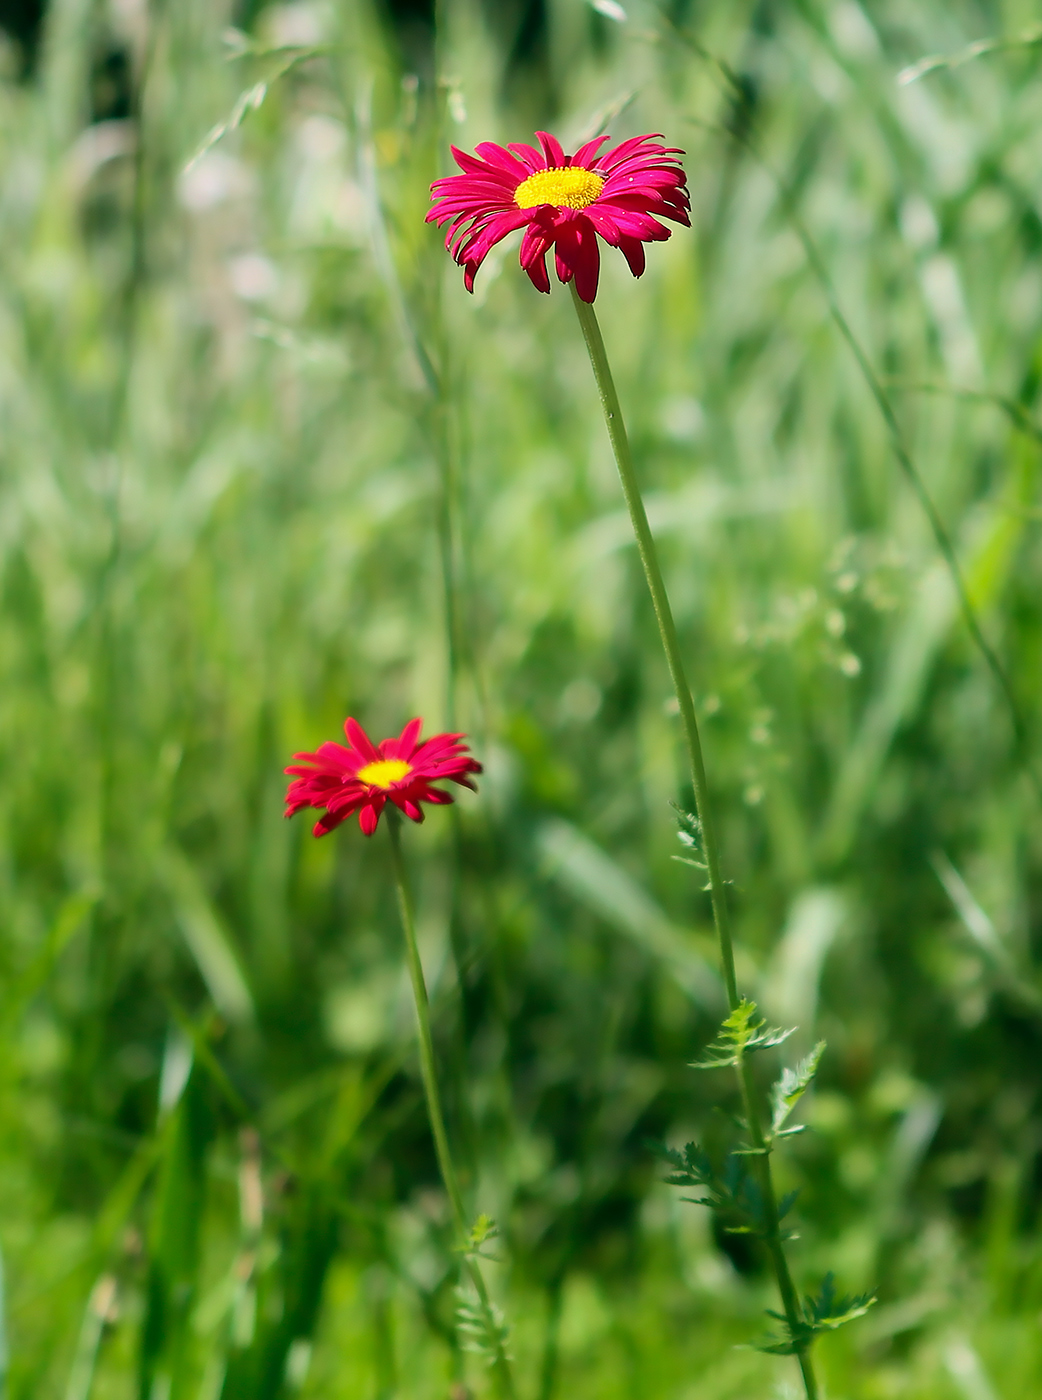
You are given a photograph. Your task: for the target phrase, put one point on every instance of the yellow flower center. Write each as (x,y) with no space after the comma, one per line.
(570,187)
(384,771)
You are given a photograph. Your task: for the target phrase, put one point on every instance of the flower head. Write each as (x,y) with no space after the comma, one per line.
(562,202)
(361,776)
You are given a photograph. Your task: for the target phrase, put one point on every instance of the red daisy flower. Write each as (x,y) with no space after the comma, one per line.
(562,202)
(361,777)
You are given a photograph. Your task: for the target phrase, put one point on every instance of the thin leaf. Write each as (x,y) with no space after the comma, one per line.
(786,1203)
(207,939)
(251,98)
(933,62)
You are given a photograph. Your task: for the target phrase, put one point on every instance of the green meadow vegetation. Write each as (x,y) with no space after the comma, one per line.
(264,463)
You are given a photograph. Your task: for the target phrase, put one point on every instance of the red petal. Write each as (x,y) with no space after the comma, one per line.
(437,798)
(552,149)
(604,223)
(336,757)
(633,251)
(405,744)
(585,154)
(533,159)
(578,255)
(480,243)
(538,275)
(534,247)
(471,165)
(360,740)
(327,822)
(501,158)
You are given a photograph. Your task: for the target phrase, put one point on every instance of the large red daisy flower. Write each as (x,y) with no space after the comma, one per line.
(362,776)
(562,202)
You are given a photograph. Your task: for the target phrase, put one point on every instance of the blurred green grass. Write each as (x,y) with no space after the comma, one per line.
(264,463)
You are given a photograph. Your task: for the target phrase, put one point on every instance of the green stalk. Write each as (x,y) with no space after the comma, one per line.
(671,646)
(501,1363)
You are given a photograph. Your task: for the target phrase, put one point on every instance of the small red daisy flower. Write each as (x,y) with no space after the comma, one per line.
(562,202)
(361,777)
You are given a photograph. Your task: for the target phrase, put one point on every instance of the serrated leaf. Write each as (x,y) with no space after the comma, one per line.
(689,832)
(742,1032)
(776,1348)
(481,1233)
(482,1331)
(824,1313)
(791,1087)
(733,1192)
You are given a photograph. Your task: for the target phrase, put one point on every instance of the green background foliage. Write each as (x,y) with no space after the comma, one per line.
(264,463)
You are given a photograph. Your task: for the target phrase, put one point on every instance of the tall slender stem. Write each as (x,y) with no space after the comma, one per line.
(671,646)
(428,1073)
(667,628)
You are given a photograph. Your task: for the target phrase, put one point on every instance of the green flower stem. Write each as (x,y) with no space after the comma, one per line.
(671,646)
(667,628)
(501,1362)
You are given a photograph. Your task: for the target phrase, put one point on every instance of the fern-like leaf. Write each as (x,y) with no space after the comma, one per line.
(824,1312)
(791,1087)
(482,1232)
(733,1193)
(690,837)
(742,1032)
(482,1331)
